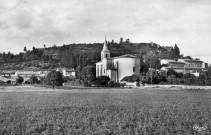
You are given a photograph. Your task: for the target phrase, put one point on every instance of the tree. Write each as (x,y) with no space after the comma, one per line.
(25,50)
(54,78)
(171,72)
(121,40)
(19,80)
(154,77)
(78,71)
(34,50)
(188,57)
(152,60)
(34,79)
(150,75)
(128,40)
(172,79)
(176,51)
(189,79)
(88,73)
(101,81)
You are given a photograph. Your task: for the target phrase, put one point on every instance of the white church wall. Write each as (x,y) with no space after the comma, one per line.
(104,67)
(112,75)
(125,67)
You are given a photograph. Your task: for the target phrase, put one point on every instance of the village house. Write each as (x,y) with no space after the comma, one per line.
(117,68)
(67,72)
(27,74)
(7,80)
(184,66)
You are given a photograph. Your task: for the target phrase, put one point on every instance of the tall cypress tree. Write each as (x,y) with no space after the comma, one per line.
(176,51)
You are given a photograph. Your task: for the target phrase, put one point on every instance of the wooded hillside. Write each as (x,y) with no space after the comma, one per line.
(73,55)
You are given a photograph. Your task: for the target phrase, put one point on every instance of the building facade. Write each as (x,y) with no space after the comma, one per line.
(184,66)
(117,68)
(67,72)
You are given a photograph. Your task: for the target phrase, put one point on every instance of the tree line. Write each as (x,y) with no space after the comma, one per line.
(73,55)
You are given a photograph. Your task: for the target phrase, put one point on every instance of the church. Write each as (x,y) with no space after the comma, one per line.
(117,68)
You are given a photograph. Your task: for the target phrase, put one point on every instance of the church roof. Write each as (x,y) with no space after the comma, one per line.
(109,58)
(122,56)
(106,59)
(127,56)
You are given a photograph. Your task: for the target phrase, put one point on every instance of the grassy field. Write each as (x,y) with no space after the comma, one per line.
(106,112)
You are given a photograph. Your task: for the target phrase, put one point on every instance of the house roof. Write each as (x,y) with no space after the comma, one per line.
(122,56)
(132,78)
(191,60)
(28,72)
(179,61)
(182,60)
(3,79)
(67,69)
(7,72)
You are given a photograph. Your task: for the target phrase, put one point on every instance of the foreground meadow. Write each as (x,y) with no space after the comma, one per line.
(106,112)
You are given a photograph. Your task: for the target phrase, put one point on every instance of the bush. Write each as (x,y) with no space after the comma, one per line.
(116,85)
(111,84)
(86,84)
(201,80)
(54,78)
(179,75)
(172,79)
(189,79)
(34,79)
(102,81)
(122,85)
(78,82)
(68,79)
(158,78)
(19,80)
(171,72)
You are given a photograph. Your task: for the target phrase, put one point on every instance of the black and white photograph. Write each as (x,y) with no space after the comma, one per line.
(105,67)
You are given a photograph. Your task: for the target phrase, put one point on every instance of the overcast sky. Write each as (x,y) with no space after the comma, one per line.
(166,22)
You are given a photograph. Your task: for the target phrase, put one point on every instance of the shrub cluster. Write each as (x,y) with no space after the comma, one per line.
(172,77)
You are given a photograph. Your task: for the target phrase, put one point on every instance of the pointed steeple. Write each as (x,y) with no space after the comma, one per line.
(105,53)
(105,47)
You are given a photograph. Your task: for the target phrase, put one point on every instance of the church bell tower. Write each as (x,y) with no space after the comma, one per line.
(105,53)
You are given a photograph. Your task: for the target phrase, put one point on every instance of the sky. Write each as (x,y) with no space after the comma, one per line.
(29,23)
